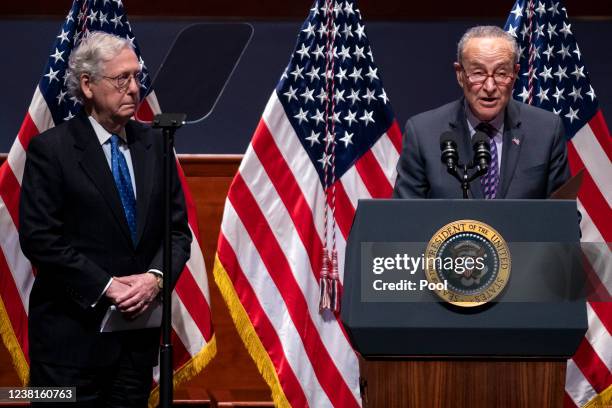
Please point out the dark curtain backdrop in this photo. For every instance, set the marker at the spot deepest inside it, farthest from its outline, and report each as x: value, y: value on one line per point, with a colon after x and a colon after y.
x: 414, y: 59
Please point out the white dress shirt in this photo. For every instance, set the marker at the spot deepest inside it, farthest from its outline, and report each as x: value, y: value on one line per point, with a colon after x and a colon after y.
x: 104, y: 139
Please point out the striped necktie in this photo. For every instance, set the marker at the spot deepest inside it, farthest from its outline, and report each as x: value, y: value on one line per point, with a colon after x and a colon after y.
x: 121, y: 174
x: 490, y: 180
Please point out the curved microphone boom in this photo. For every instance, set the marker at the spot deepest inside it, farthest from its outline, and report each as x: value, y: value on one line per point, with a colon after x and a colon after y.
x: 448, y: 146
x: 482, y: 151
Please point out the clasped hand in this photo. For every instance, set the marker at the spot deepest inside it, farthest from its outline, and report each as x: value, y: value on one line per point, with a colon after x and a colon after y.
x: 133, y: 294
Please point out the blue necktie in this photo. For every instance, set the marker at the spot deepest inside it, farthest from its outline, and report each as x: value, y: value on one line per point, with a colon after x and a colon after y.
x: 121, y: 174
x: 490, y: 180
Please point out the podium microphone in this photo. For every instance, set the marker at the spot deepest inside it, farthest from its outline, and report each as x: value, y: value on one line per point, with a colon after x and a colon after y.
x: 448, y: 146
x: 482, y: 151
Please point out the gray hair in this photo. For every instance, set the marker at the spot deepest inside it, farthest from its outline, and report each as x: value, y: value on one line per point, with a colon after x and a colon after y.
x: 486, y: 32
x: 89, y: 58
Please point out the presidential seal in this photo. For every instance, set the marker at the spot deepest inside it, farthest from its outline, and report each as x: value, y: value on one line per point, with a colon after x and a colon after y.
x: 472, y: 259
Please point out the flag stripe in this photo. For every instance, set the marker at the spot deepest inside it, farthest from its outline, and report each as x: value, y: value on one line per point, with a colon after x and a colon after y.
x: 186, y: 327
x: 568, y: 402
x: 577, y: 386
x: 589, y: 230
x: 40, y: 115
x: 593, y: 369
x: 598, y: 255
x: 282, y: 177
x: 26, y: 133
x: 387, y: 157
x: 599, y: 338
x: 595, y: 160
x: 344, y: 209
x: 601, y: 132
x: 197, y: 268
x: 144, y: 111
x: 603, y: 310
x: 9, y: 193
x: 590, y: 196
x: 395, y: 135
x: 292, y: 353
x: 373, y: 176
x: 297, y: 253
x: 293, y: 154
x: 194, y: 300
x: 261, y: 323
x: 289, y: 192
x: 16, y: 159
x: 596, y: 288
x: 300, y: 164
x: 354, y: 187
x: 278, y: 267
x: 18, y: 266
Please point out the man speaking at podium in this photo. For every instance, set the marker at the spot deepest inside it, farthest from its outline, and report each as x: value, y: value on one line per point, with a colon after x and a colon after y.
x: 527, y: 144
x: 91, y: 223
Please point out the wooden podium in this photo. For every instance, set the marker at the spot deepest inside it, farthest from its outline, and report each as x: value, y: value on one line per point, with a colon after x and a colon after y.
x: 422, y: 352
x: 462, y: 383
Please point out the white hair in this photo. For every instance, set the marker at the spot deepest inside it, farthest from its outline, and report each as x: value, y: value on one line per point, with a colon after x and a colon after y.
x: 486, y: 32
x: 89, y: 57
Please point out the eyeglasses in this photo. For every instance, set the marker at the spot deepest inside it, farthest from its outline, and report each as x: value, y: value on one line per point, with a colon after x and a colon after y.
x: 122, y: 81
x: 479, y: 78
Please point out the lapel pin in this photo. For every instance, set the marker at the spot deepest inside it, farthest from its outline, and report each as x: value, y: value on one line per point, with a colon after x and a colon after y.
x: 516, y: 141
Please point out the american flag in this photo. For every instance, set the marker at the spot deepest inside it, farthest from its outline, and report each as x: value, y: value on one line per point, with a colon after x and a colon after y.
x: 194, y: 341
x: 554, y: 77
x: 327, y: 138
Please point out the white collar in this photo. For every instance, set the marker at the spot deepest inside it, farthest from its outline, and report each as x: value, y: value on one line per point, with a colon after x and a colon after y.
x: 103, y: 134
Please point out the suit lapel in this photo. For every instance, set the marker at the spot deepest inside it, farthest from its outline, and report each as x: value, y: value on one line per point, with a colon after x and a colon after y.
x: 94, y: 164
x: 512, y: 142
x: 143, y: 173
x: 459, y: 125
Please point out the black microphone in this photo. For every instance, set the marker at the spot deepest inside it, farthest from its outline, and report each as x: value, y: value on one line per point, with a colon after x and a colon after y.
x: 482, y: 150
x: 448, y: 146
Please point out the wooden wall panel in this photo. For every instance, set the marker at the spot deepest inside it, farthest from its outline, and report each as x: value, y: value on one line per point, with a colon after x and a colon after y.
x: 297, y: 9
x: 232, y: 370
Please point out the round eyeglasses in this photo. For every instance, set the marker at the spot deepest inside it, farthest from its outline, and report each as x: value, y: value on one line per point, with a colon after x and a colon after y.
x: 122, y: 81
x: 479, y: 78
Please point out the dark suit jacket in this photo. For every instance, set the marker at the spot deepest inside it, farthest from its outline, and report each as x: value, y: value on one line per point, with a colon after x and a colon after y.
x: 73, y: 229
x: 534, y: 156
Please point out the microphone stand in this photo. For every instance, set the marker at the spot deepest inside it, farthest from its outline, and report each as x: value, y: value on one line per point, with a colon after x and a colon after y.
x: 464, y: 178
x: 168, y: 123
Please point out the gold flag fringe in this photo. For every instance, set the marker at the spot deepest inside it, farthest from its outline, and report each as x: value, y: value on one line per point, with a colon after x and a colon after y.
x: 12, y: 344
x: 248, y: 335
x: 603, y: 400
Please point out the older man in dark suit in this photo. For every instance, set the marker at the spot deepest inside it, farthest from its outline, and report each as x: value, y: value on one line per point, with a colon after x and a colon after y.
x: 91, y: 224
x: 527, y: 143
